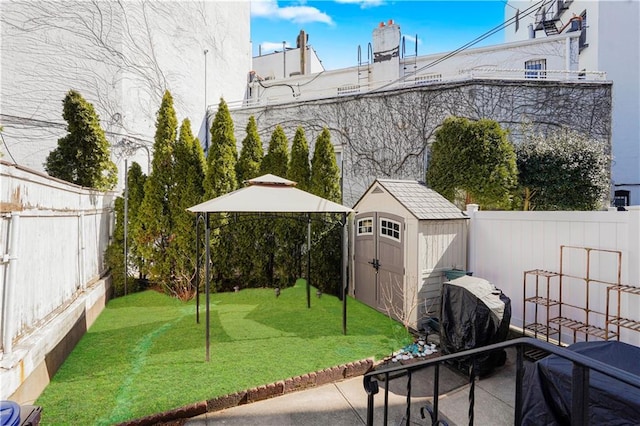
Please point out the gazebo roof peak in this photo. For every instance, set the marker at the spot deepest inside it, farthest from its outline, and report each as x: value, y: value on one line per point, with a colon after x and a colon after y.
x: 270, y: 179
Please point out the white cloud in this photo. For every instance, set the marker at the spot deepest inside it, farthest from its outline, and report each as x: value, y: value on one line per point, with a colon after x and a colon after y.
x: 269, y: 46
x: 297, y: 14
x: 411, y: 39
x: 363, y: 3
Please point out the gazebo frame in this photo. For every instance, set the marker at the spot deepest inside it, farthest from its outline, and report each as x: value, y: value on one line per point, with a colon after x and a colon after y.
x: 268, y: 194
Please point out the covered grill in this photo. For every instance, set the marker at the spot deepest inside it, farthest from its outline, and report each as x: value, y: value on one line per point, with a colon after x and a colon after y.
x: 474, y: 313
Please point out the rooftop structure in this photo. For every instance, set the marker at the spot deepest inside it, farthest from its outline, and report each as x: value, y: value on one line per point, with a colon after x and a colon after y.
x: 387, y: 65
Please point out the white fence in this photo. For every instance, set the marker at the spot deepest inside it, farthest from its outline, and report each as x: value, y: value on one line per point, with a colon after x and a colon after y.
x: 503, y: 245
x: 54, y: 235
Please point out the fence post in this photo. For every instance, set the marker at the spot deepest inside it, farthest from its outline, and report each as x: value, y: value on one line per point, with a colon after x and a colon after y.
x: 81, y: 253
x: 633, y: 221
x: 9, y: 286
x: 472, y: 209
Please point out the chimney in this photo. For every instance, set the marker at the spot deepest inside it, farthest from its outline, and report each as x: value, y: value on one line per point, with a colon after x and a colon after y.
x: 386, y: 42
x: 386, y: 52
x: 301, y: 43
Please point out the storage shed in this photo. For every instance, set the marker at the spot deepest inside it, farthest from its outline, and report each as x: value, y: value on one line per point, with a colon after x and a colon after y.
x: 405, y: 236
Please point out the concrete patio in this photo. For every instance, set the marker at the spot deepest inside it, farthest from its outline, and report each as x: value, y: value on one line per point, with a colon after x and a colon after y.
x: 345, y: 402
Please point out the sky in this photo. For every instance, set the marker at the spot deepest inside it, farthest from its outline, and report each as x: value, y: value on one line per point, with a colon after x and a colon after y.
x: 336, y: 28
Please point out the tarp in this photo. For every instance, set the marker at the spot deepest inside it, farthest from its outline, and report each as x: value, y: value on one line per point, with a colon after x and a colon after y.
x: 474, y: 314
x: 269, y: 194
x: 547, y: 387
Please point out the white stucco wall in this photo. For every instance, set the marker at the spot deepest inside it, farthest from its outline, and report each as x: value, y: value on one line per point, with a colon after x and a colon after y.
x: 618, y: 47
x: 121, y: 56
x: 281, y: 64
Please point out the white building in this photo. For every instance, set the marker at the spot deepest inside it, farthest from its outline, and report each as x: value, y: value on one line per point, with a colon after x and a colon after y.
x: 288, y: 62
x: 121, y: 56
x: 610, y: 42
x: 383, y: 112
x: 386, y: 66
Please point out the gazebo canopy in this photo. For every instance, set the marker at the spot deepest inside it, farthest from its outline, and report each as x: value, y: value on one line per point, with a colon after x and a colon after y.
x: 269, y: 194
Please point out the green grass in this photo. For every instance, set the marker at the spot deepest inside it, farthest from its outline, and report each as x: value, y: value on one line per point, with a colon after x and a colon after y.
x: 146, y: 354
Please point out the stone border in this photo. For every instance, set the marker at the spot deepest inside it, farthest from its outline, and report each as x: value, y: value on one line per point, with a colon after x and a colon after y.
x: 260, y: 393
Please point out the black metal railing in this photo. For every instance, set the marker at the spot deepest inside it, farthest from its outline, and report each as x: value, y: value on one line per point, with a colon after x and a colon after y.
x: 582, y: 365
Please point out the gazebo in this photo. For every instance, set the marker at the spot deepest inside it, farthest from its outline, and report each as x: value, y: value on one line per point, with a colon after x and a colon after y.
x: 271, y: 194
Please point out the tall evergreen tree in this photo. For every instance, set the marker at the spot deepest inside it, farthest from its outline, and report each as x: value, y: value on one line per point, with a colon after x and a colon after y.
x: 299, y: 167
x: 114, y: 256
x: 188, y: 190
x: 276, y: 160
x: 220, y: 179
x: 326, y: 247
x: 135, y: 184
x: 82, y: 157
x: 296, y: 234
x: 325, y: 173
x: 248, y: 231
x: 115, y: 251
x: 155, y: 226
x: 248, y: 166
x: 222, y: 155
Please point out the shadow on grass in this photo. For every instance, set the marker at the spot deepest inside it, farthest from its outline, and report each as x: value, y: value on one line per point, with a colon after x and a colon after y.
x: 147, y: 353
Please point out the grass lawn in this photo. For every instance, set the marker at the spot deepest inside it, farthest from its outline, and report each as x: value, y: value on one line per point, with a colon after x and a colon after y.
x: 145, y: 353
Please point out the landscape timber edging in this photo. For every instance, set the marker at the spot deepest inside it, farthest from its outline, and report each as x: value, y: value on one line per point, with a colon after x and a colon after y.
x: 259, y: 393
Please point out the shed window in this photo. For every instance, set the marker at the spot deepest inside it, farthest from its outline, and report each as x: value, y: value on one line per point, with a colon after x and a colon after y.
x: 390, y: 229
x: 365, y: 226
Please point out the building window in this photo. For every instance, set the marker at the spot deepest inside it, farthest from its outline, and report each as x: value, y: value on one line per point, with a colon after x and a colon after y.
x: 390, y: 229
x: 535, y: 69
x: 348, y: 89
x: 621, y: 198
x: 426, y: 79
x: 365, y: 226
x: 582, y: 43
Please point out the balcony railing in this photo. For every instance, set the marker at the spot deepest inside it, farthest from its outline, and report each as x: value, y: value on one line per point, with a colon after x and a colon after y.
x: 582, y: 366
x: 552, y: 10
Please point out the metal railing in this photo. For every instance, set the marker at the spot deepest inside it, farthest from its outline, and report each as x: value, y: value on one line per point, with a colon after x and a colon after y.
x: 582, y: 365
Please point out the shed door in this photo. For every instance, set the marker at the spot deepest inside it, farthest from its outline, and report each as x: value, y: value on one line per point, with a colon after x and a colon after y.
x: 365, y: 254
x: 379, y: 261
x: 391, y: 264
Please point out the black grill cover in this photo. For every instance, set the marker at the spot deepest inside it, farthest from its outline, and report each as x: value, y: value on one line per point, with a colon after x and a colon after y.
x: 547, y: 387
x: 474, y: 314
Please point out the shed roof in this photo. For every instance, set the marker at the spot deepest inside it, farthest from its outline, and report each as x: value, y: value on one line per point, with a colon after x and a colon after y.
x: 421, y: 201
